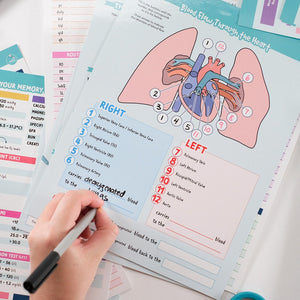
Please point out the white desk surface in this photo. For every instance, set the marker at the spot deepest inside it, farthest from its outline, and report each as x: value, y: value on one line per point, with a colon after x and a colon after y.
x: 275, y: 272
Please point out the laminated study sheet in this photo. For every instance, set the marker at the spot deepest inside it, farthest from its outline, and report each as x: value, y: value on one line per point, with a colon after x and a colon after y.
x: 102, y: 21
x: 290, y: 13
x: 180, y: 134
x: 22, y: 115
x: 67, y: 27
x: 11, y: 59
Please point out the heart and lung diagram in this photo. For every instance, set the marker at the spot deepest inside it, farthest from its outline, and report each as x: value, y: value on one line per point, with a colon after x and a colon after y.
x: 195, y: 95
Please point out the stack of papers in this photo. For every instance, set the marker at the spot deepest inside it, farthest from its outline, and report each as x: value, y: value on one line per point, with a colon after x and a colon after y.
x: 181, y: 133
x: 22, y: 122
x: 179, y: 119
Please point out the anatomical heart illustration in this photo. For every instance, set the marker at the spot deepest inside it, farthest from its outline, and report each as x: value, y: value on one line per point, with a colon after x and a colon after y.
x: 175, y: 85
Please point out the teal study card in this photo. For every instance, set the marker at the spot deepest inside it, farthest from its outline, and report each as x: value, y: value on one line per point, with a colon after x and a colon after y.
x: 290, y: 13
x: 22, y: 119
x: 266, y: 15
x: 12, y: 59
x: 180, y: 134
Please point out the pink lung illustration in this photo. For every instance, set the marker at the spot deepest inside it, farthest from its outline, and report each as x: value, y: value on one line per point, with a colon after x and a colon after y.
x: 256, y: 101
x: 167, y: 76
x: 148, y: 75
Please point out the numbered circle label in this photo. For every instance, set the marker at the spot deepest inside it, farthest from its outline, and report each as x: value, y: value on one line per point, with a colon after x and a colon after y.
x: 196, y: 134
x: 86, y: 122
x: 177, y: 151
x: 232, y: 118
x: 78, y: 141
x: 91, y: 112
x: 158, y: 106
x: 188, y: 126
x: 173, y: 161
x: 247, y: 111
x: 160, y: 189
x: 221, y: 46
x: 207, y: 43
x: 248, y: 77
x: 82, y: 131
x: 155, y: 93
x: 69, y: 160
x: 162, y: 118
x: 169, y: 170
x: 221, y: 125
x: 176, y: 121
x: 156, y: 199
x: 164, y: 180
x: 207, y: 129
x: 74, y: 150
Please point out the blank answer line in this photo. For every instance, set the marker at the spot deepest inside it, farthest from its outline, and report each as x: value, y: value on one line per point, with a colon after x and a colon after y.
x: 194, y: 241
x: 192, y: 230
x: 120, y: 207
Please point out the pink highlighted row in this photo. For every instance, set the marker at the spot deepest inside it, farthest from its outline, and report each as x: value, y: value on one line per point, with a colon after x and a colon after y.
x: 4, y: 295
x: 66, y: 54
x: 10, y: 213
x: 14, y: 256
x: 18, y: 158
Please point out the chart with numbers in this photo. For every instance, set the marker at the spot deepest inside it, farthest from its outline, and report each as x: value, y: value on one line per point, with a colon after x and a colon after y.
x: 180, y: 135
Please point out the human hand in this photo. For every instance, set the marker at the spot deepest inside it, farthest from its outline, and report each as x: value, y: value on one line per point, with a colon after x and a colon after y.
x: 78, y: 265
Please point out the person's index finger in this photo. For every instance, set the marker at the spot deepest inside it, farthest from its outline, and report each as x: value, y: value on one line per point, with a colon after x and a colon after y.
x: 69, y: 208
x: 104, y: 236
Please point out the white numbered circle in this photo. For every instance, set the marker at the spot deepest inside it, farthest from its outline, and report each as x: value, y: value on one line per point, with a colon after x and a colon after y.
x: 196, y: 134
x: 207, y: 43
x: 69, y: 160
x: 74, y: 150
x: 177, y: 151
x: 86, y: 122
x: 247, y: 111
x: 173, y: 160
x: 155, y: 93
x: 160, y: 189
x: 221, y: 125
x: 169, y: 170
x: 176, y: 121
x: 248, y: 77
x: 91, y: 112
x: 162, y: 118
x: 188, y: 126
x: 232, y: 117
x: 207, y: 129
x: 158, y: 106
x: 78, y: 141
x: 220, y: 46
x: 82, y: 131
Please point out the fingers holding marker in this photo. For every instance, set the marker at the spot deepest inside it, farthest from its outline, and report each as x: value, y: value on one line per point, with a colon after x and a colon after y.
x: 69, y: 208
x: 104, y: 235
